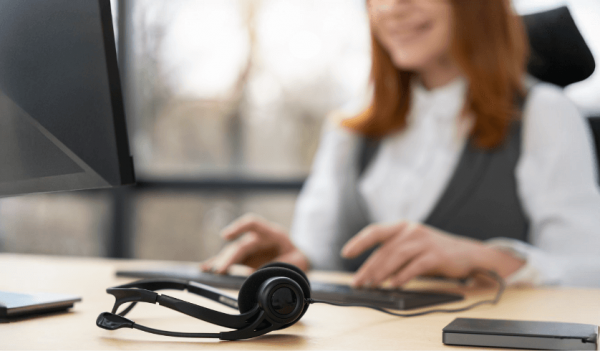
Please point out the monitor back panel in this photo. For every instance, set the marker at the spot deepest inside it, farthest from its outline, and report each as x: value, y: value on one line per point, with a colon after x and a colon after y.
x: 62, y: 121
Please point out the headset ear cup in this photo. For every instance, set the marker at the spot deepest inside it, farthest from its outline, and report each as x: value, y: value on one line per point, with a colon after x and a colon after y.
x: 248, y: 295
x: 288, y: 266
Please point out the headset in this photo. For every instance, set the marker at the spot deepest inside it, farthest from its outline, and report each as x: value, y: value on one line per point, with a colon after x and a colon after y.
x: 274, y: 297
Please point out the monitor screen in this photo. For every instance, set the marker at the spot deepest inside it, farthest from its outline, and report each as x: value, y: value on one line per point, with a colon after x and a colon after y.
x: 62, y: 121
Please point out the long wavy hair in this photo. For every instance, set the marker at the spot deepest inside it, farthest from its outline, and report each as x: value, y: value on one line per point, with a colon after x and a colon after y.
x: 490, y: 46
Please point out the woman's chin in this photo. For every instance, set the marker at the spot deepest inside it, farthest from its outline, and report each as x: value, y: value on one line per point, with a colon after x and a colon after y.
x: 408, y: 62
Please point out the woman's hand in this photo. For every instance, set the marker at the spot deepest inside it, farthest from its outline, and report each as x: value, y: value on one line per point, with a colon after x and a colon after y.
x: 411, y: 249
x: 259, y: 242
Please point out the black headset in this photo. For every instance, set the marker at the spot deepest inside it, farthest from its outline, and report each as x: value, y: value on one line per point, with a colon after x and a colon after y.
x: 274, y: 297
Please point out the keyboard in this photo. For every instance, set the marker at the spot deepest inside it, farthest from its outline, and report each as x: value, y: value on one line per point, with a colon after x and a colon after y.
x: 397, y: 299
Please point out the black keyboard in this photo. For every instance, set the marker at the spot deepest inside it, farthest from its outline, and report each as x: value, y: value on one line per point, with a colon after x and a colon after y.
x: 397, y: 299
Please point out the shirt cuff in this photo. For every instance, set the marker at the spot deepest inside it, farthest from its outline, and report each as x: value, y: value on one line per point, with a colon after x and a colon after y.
x: 528, y: 274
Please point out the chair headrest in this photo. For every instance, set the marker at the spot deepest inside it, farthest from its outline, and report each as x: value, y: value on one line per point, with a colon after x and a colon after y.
x: 559, y: 54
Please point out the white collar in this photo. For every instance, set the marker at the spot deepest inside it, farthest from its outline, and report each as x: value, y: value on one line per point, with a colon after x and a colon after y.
x: 441, y: 103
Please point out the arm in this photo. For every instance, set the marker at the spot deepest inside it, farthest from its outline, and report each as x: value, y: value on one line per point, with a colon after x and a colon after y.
x: 319, y: 207
x: 557, y: 185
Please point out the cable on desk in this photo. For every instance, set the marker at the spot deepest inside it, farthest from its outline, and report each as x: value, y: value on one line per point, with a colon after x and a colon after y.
x: 492, y: 274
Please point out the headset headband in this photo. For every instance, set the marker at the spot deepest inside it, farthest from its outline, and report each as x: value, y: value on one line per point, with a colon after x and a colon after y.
x: 143, y: 291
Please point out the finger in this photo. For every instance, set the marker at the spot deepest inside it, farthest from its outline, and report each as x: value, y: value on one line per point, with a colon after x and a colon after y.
x: 207, y: 265
x: 369, y: 237
x: 362, y: 278
x: 389, y: 257
x: 234, y: 229
x: 236, y: 252
x: 248, y: 223
x: 418, y: 266
x: 387, y: 260
x: 395, y: 260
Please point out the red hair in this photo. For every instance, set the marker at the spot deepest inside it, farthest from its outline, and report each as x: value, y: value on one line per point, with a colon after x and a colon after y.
x: 490, y: 47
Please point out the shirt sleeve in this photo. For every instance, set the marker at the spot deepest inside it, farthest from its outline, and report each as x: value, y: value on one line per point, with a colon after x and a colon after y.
x: 557, y: 183
x: 318, y: 208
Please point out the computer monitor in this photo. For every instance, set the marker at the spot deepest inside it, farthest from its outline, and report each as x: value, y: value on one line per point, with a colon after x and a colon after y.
x: 62, y: 121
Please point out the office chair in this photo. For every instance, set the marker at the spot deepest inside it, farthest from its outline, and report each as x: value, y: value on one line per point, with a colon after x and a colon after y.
x: 559, y: 55
x: 595, y: 125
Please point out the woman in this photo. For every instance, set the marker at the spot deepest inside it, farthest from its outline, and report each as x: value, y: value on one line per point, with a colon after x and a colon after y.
x: 476, y: 166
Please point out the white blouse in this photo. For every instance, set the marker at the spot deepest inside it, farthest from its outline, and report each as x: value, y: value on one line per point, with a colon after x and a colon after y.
x: 556, y: 182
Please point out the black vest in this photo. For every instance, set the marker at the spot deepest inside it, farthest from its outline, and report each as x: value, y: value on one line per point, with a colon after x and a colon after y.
x: 480, y: 201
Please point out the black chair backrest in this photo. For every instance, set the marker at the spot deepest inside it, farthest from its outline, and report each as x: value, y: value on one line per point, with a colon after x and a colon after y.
x: 595, y: 125
x: 559, y: 54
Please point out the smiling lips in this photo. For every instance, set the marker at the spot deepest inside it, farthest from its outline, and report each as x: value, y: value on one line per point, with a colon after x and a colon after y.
x: 407, y: 33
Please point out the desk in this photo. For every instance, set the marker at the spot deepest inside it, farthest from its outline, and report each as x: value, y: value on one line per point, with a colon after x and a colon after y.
x: 323, y: 326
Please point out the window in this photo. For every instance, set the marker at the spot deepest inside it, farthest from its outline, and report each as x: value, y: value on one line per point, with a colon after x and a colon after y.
x: 225, y: 102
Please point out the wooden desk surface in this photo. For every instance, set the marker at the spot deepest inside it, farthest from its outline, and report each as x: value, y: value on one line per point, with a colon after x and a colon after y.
x: 323, y: 327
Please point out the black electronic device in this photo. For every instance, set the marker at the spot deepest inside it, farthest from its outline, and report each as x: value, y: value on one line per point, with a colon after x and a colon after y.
x: 62, y: 120
x: 520, y: 334
x: 383, y: 298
